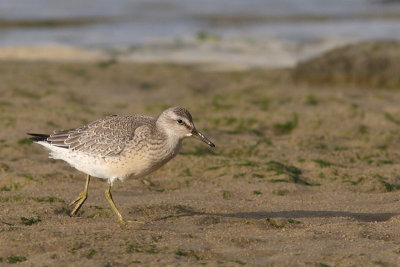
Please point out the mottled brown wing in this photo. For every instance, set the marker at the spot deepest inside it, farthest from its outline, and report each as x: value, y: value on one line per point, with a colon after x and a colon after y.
x: 104, y: 137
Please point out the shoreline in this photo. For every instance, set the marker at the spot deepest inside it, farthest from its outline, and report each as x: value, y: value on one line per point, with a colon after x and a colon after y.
x: 206, y: 50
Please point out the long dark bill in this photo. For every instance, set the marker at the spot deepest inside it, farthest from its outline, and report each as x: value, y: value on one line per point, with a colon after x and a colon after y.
x: 201, y: 137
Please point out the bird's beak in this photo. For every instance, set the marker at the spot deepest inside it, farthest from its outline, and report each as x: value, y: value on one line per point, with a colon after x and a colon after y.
x: 201, y: 137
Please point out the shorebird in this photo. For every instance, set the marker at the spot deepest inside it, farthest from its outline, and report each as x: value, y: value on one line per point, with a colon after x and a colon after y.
x: 119, y: 146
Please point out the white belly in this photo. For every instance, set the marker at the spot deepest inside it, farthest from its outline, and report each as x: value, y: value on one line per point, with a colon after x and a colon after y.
x: 111, y: 168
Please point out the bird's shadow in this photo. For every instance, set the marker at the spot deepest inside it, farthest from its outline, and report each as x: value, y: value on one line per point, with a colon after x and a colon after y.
x: 361, y: 217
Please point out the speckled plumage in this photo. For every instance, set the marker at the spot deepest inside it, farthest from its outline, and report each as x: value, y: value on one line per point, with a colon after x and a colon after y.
x: 119, y: 146
x: 104, y: 137
x: 113, y: 147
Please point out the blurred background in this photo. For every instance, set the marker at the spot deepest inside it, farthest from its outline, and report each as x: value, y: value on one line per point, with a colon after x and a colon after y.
x: 307, y: 131
x: 266, y: 33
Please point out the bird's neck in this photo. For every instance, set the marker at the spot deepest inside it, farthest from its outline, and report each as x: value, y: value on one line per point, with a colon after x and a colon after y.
x: 170, y: 139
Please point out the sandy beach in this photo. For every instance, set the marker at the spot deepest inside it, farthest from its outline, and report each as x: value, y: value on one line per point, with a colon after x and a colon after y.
x: 302, y: 174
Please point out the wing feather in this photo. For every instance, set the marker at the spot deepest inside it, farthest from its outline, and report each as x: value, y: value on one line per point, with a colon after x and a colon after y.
x: 104, y: 137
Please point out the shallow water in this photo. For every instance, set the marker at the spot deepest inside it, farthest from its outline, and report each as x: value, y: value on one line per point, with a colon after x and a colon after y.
x: 290, y: 30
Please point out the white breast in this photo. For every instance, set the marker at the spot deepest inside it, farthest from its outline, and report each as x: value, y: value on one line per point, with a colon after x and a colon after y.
x: 136, y: 160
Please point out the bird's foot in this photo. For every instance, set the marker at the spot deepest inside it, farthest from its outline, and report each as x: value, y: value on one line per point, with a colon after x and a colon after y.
x: 81, y: 196
x: 79, y: 202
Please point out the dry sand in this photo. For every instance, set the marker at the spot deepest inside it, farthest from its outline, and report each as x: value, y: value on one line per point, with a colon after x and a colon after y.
x: 301, y: 175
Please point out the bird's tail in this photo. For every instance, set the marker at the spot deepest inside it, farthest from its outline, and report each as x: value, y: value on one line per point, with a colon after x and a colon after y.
x: 38, y: 137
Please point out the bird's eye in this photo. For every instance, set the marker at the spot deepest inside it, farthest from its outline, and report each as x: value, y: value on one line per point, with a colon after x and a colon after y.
x: 180, y: 121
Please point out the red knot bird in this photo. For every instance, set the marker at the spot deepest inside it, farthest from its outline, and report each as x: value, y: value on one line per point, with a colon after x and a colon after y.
x: 119, y: 146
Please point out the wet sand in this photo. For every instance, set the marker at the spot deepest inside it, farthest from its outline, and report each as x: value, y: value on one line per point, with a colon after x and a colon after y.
x: 301, y: 176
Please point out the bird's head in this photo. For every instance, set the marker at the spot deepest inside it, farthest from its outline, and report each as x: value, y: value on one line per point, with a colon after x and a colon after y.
x: 178, y: 122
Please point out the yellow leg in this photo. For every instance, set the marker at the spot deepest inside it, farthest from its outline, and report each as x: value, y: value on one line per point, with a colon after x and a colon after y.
x: 110, y: 200
x: 81, y: 198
